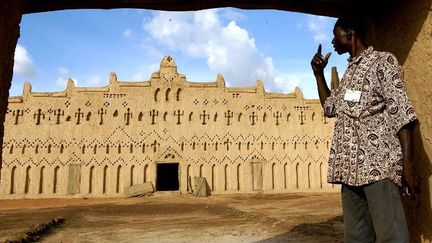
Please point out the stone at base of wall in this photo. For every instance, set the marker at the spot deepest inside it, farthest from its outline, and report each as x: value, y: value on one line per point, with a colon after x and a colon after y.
x: 336, y: 189
x: 138, y: 190
x: 202, y: 189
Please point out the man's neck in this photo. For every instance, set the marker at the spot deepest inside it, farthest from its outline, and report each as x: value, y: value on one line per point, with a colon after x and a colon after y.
x: 357, y: 48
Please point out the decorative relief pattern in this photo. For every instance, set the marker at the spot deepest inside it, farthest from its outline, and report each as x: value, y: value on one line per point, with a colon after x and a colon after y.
x: 120, y: 138
x: 163, y: 119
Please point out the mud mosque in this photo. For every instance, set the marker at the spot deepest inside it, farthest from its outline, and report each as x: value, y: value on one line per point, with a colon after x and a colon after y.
x: 93, y: 142
x: 66, y: 164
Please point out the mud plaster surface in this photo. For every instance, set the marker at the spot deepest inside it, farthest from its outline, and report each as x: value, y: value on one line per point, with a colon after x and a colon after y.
x: 182, y: 218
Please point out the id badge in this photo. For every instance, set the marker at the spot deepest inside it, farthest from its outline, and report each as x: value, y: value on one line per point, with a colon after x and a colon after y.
x: 352, y: 95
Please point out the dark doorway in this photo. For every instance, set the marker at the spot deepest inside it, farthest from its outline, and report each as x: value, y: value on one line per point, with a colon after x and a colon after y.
x: 167, y: 177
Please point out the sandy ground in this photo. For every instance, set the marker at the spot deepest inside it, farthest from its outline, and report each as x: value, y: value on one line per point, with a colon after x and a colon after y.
x: 170, y: 217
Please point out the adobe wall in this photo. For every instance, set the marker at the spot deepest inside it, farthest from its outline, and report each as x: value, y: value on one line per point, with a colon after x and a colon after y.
x: 405, y: 29
x: 93, y: 142
x: 402, y: 27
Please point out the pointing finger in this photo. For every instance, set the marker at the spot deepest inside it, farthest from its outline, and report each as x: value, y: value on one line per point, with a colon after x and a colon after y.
x: 319, y: 49
x: 326, y: 58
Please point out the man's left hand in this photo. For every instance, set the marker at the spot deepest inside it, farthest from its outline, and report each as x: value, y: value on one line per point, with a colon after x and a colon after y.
x: 410, y: 180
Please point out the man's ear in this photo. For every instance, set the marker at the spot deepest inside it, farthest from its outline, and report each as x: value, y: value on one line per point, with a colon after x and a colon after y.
x: 350, y: 33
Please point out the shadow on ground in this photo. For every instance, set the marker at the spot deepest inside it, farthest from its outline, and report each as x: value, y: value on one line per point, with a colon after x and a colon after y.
x: 328, y: 231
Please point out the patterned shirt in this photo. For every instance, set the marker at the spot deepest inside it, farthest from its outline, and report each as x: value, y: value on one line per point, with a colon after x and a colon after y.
x: 365, y: 146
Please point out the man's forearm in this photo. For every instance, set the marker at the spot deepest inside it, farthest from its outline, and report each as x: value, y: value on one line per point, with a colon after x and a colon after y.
x: 405, y: 136
x: 323, y: 90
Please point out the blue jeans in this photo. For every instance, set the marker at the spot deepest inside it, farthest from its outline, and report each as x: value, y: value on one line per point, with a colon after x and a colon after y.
x: 374, y: 213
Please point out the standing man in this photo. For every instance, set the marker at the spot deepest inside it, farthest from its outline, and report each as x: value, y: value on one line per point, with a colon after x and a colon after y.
x: 371, y: 152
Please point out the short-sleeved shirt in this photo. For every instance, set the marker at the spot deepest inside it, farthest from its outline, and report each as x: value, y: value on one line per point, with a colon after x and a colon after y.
x: 365, y: 146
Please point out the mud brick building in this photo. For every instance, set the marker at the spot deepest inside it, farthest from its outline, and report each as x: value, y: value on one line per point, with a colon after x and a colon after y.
x: 401, y: 27
x: 93, y: 142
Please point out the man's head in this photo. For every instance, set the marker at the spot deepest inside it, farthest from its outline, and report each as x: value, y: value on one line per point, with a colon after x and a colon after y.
x: 346, y: 31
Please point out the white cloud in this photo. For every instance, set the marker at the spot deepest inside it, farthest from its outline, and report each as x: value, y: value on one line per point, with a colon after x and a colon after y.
x: 145, y: 72
x: 95, y: 81
x: 88, y: 81
x: 63, y: 76
x: 231, y: 14
x: 61, y: 82
x: 62, y: 71
x: 150, y: 50
x: 321, y: 28
x: 228, y: 49
x: 286, y: 83
x: 127, y: 33
x: 16, y: 90
x: 23, y: 63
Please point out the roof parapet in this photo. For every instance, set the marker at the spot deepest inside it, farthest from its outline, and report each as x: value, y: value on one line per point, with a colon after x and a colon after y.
x: 220, y: 81
x: 112, y: 79
x: 260, y: 88
x: 70, y: 88
x: 27, y: 88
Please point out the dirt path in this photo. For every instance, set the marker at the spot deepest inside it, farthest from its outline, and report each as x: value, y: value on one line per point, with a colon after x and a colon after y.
x: 181, y: 218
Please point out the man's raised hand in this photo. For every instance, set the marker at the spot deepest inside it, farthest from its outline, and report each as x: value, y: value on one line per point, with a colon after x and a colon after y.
x: 319, y: 62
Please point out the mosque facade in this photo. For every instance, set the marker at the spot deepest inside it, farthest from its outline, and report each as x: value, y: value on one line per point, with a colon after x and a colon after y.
x: 94, y: 142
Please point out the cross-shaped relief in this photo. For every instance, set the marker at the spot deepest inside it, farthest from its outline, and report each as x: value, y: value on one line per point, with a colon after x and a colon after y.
x: 17, y: 114
x: 127, y: 116
x: 79, y: 115
x: 178, y: 113
x: 38, y: 116
x: 153, y: 113
x: 58, y: 113
x: 253, y: 117
x: 204, y: 116
x: 277, y: 115
x: 228, y: 115
x: 101, y: 112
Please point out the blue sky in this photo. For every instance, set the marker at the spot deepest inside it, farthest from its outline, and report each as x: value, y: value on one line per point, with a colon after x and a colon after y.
x: 242, y: 45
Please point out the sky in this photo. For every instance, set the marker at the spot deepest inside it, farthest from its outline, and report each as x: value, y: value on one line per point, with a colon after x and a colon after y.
x: 243, y: 45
